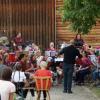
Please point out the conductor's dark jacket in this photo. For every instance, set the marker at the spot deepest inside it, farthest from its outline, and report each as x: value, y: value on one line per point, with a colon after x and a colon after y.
x: 70, y: 54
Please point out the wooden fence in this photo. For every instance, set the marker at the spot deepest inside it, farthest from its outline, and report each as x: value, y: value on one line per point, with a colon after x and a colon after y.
x: 63, y: 33
x: 35, y: 19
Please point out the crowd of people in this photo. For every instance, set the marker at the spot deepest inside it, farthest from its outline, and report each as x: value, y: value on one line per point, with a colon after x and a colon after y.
x: 19, y: 63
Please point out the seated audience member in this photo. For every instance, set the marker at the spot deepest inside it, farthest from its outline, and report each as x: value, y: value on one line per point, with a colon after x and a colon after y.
x: 83, y: 69
x: 23, y: 59
x: 96, y: 72
x: 19, y: 79
x: 51, y: 47
x: 85, y: 47
x: 78, y: 41
x: 1, y: 63
x: 39, y: 58
x: 43, y: 72
x: 18, y: 39
x: 6, y: 60
x: 7, y: 88
x: 33, y: 46
x: 33, y: 64
x: 51, y: 55
x: 59, y: 75
x: 88, y: 49
x: 93, y: 58
x: 36, y: 49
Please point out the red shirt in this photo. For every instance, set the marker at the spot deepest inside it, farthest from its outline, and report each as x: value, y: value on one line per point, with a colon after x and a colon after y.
x: 23, y: 65
x: 79, y: 61
x: 18, y: 40
x: 86, y: 62
x: 43, y: 73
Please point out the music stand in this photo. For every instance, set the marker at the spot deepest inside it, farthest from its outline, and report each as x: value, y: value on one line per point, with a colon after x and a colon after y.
x: 52, y: 53
x: 47, y: 53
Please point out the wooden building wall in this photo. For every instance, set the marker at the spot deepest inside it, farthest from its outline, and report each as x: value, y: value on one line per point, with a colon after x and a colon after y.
x: 64, y: 34
x: 35, y: 19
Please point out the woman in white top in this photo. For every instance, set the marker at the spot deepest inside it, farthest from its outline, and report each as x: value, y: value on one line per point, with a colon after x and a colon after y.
x: 7, y: 88
x: 39, y: 58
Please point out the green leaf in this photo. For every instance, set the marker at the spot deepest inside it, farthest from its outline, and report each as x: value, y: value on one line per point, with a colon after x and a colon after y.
x: 82, y: 14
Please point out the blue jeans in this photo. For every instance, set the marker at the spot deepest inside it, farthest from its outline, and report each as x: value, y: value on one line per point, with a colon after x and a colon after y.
x: 68, y: 73
x: 95, y: 75
x: 80, y: 75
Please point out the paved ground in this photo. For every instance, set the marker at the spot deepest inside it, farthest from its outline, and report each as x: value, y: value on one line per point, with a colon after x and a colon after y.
x: 79, y: 93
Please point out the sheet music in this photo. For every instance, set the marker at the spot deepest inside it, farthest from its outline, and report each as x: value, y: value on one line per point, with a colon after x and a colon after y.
x: 47, y: 53
x: 52, y: 53
x: 59, y: 59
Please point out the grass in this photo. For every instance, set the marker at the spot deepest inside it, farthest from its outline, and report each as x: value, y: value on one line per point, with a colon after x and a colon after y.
x: 96, y: 91
x: 95, y: 88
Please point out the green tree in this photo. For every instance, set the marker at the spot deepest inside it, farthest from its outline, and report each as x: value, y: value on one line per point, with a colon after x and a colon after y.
x: 82, y: 14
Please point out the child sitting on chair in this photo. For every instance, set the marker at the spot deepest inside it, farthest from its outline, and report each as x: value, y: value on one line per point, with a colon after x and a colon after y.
x: 20, y: 80
x: 59, y: 74
x: 43, y: 72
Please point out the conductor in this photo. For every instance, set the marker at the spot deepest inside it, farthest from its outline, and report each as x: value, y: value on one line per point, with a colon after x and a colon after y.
x: 70, y: 53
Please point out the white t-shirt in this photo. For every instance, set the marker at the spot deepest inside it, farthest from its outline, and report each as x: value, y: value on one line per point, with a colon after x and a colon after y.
x: 93, y: 59
x: 18, y: 76
x: 6, y: 87
x: 39, y: 59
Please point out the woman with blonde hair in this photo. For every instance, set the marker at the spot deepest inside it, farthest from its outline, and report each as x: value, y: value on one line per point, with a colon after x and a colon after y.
x: 43, y: 72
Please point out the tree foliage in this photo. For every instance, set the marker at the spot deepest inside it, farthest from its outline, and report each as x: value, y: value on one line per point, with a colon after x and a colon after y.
x: 82, y: 14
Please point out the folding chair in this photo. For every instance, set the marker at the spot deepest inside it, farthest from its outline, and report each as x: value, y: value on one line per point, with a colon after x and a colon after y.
x: 42, y: 84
